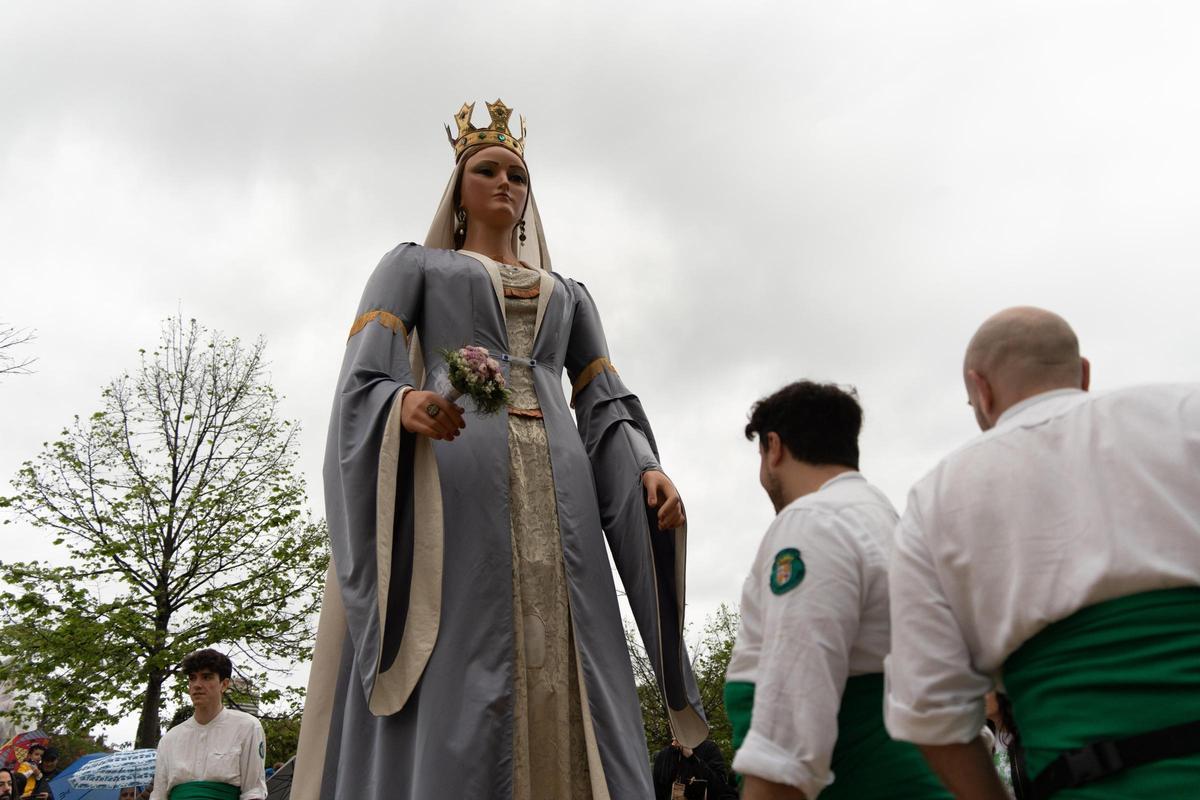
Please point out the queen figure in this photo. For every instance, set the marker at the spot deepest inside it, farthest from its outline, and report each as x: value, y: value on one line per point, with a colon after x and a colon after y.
x: 470, y: 644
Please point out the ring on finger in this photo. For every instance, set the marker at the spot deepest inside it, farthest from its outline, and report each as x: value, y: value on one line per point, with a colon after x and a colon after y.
x: 432, y: 409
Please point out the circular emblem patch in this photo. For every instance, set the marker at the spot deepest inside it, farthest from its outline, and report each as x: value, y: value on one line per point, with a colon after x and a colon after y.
x: 262, y: 749
x: 787, y: 571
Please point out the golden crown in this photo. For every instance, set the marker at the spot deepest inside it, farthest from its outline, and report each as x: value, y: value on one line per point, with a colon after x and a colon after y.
x: 496, y: 133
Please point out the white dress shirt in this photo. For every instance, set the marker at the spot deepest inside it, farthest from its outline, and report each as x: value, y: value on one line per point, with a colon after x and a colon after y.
x: 799, y: 646
x: 1071, y: 500
x: 230, y: 748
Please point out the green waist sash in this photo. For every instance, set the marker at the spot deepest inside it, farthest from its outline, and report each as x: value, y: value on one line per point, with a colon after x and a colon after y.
x: 205, y: 790
x: 1109, y: 671
x: 866, y: 762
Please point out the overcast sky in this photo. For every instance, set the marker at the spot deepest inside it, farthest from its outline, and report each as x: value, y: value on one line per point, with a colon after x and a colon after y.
x: 754, y: 192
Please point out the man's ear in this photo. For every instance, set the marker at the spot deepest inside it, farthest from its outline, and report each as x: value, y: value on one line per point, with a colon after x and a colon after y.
x: 225, y: 684
x: 774, y: 449
x: 1085, y: 374
x: 985, y: 401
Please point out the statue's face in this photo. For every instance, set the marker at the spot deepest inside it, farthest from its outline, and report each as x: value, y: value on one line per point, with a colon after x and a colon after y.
x: 495, y: 186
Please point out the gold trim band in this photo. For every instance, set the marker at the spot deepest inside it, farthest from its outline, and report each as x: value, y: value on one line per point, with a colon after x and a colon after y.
x: 384, y: 318
x: 589, y: 374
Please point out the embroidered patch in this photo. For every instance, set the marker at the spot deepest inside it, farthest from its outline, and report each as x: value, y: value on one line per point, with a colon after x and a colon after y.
x: 787, y: 571
x: 262, y: 749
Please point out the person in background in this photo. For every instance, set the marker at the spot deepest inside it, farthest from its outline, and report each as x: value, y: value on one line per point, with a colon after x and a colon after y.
x: 804, y: 687
x: 6, y: 783
x: 1067, y: 534
x: 217, y: 753
x: 50, y: 771
x: 30, y: 770
x: 128, y: 793
x: 703, y: 767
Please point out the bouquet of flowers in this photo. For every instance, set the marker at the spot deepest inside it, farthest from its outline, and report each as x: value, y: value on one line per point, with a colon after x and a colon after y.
x: 474, y: 373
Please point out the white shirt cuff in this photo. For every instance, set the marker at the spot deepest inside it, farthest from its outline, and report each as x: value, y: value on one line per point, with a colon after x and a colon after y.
x: 764, y: 759
x: 956, y: 724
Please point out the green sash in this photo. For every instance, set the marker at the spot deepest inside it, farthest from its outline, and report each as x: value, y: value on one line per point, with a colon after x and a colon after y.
x: 1112, y: 670
x: 205, y: 790
x: 866, y: 762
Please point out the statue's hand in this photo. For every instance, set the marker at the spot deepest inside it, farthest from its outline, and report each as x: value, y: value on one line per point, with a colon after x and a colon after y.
x: 662, y: 494
x: 445, y: 423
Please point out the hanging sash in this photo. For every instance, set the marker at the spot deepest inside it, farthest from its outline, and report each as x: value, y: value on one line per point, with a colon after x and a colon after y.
x: 205, y: 790
x: 1111, y: 671
x: 866, y: 762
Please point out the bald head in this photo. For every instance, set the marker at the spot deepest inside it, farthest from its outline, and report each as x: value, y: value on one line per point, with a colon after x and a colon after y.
x: 1018, y: 353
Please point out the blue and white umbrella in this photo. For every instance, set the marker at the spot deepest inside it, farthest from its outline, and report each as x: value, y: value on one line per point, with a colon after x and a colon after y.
x: 134, y: 768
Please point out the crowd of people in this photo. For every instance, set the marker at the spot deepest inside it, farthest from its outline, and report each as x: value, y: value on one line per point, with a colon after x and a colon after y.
x: 31, y: 776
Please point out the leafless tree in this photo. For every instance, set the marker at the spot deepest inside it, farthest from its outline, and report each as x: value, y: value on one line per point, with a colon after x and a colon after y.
x: 12, y: 363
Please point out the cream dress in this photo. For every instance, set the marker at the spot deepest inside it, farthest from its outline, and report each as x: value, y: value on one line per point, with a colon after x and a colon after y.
x: 549, y: 749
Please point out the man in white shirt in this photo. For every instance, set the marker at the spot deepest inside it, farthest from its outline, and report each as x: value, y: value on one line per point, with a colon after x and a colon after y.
x: 1058, y: 553
x: 804, y: 688
x: 218, y: 753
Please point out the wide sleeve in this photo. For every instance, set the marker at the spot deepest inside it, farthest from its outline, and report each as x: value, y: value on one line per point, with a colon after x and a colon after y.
x: 651, y: 563
x: 810, y: 621
x: 934, y: 694
x: 368, y: 460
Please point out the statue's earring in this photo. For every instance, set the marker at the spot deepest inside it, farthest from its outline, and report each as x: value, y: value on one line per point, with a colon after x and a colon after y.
x: 461, y: 216
x: 521, y: 225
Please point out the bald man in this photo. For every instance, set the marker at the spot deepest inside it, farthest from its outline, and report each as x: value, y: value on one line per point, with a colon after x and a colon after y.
x: 1057, y: 556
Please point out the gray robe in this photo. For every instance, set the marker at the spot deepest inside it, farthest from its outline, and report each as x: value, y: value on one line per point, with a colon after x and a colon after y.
x: 411, y: 690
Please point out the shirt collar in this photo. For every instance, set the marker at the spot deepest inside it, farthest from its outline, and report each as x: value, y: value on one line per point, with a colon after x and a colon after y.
x: 842, y: 476
x: 1015, y: 410
x: 211, y: 721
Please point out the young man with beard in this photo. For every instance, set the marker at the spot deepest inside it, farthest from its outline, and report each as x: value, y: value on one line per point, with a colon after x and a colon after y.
x: 804, y: 688
x: 218, y: 753
x: 6, y: 784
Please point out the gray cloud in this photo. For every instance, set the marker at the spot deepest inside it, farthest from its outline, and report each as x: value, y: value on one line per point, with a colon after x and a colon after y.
x: 753, y: 192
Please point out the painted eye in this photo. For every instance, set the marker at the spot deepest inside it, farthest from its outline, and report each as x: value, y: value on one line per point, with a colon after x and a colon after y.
x: 518, y: 177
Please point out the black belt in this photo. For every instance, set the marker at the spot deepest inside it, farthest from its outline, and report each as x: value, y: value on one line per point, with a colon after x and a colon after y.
x: 1101, y: 759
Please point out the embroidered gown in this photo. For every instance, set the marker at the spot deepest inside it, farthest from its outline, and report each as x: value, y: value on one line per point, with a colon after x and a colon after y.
x: 549, y: 751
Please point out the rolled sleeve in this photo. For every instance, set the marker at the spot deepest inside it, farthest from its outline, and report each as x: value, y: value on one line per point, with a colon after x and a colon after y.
x: 934, y: 694
x: 762, y: 758
x: 254, y: 773
x: 807, y: 635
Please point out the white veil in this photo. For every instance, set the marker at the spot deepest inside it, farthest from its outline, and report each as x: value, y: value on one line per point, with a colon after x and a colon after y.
x: 441, y: 232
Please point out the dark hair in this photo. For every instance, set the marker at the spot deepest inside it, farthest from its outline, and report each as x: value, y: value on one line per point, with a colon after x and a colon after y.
x: 817, y: 422
x: 51, y: 752
x: 207, y: 659
x: 41, y: 747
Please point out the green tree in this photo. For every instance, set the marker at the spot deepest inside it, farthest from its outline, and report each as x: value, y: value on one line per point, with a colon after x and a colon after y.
x: 710, y: 657
x: 283, y: 737
x: 71, y: 746
x: 182, y: 515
